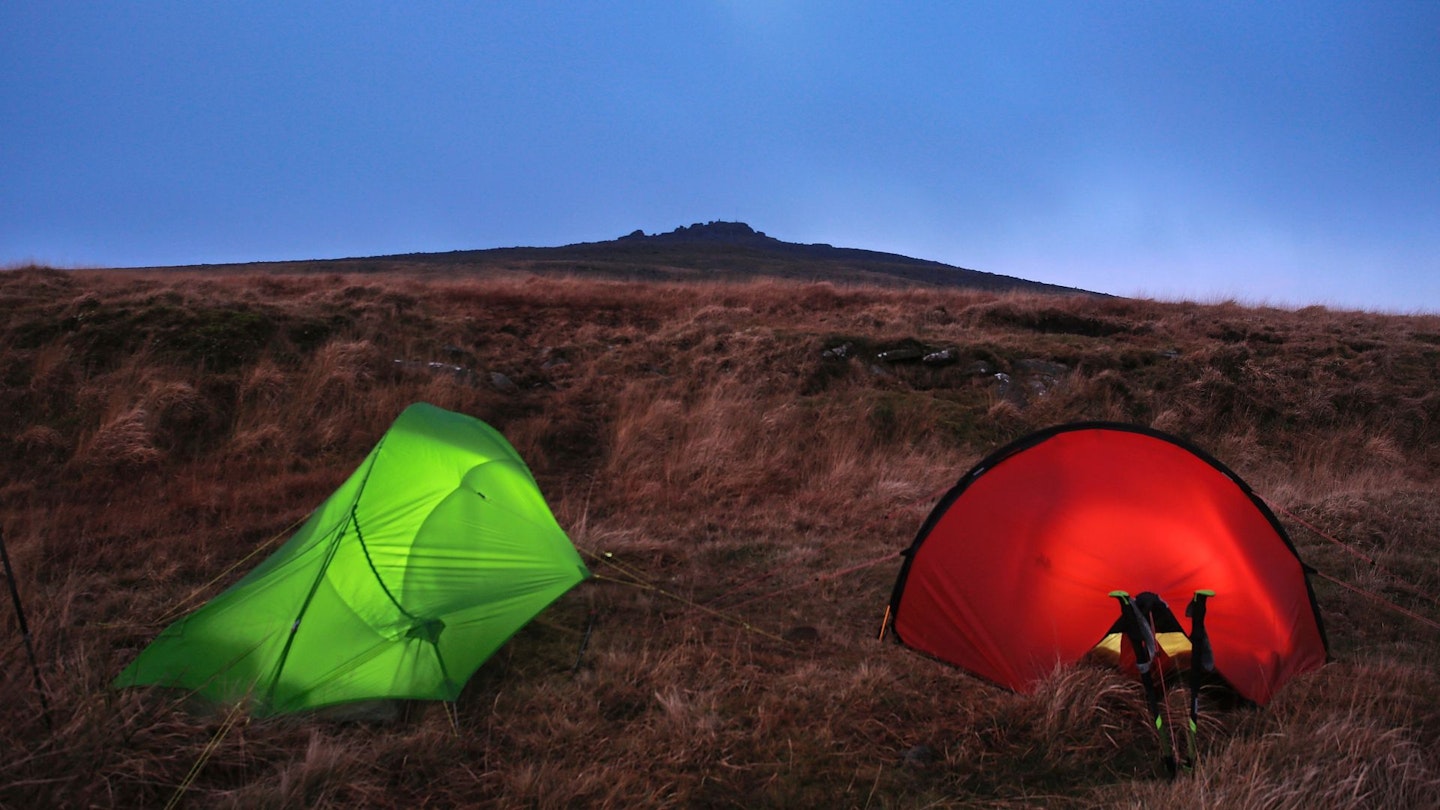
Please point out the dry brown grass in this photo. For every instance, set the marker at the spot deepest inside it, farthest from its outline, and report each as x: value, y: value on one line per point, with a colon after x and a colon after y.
x: 159, y: 428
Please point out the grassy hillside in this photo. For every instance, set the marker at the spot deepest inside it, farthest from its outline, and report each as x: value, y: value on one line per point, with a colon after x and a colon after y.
x: 715, y: 251
x: 162, y: 430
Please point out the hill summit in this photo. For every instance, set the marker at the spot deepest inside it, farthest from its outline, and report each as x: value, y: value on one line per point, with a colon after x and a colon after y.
x: 714, y: 231
x: 715, y: 250
x: 739, y: 250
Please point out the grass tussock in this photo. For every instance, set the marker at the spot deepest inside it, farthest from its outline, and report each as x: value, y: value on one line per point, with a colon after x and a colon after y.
x: 752, y: 453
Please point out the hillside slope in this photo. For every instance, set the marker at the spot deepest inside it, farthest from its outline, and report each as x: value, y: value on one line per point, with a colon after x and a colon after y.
x: 715, y: 251
x: 740, y: 462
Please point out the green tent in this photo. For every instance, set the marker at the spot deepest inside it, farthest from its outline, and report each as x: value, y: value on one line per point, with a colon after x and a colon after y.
x: 400, y: 585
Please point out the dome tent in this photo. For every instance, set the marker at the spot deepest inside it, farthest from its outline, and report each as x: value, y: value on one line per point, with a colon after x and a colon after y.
x: 399, y: 586
x: 1018, y: 567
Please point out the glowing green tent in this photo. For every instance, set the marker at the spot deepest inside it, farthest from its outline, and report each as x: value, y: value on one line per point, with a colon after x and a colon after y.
x: 400, y: 585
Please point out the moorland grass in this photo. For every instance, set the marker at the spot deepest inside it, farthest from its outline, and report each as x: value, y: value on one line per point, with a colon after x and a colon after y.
x: 160, y: 429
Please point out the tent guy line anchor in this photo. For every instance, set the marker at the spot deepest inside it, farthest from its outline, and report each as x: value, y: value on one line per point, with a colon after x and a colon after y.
x: 178, y: 608
x: 636, y: 581
x: 209, y: 750
x: 1378, y: 598
x: 1374, y: 563
x: 860, y: 532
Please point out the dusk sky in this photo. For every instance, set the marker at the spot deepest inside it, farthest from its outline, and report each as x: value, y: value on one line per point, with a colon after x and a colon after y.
x: 1283, y: 153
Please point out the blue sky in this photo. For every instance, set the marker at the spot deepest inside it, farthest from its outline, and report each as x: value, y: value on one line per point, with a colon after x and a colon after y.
x: 1279, y: 152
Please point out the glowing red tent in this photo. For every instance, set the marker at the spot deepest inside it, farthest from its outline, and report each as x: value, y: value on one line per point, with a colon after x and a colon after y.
x: 1013, y: 571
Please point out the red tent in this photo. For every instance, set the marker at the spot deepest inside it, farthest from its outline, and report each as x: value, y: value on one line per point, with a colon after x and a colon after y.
x: 1012, y: 571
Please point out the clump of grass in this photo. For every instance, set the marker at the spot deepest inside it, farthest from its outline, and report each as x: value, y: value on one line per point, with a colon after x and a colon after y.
x: 1344, y: 761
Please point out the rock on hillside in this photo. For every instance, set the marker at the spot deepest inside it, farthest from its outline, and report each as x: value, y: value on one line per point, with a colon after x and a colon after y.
x: 722, y: 232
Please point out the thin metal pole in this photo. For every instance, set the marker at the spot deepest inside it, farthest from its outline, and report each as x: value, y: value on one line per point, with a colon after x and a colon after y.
x: 584, y: 642
x: 25, y: 632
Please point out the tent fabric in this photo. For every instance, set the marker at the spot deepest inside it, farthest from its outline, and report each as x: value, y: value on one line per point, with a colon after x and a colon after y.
x: 399, y: 586
x: 1010, y: 574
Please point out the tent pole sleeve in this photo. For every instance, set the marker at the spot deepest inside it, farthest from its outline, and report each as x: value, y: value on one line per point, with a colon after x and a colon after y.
x: 320, y: 575
x: 304, y: 606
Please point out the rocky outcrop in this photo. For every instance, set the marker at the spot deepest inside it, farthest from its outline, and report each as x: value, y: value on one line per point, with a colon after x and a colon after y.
x: 1021, y: 382
x: 714, y: 232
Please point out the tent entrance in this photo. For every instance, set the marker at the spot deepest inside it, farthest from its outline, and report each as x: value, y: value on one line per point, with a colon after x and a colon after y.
x: 1174, y: 652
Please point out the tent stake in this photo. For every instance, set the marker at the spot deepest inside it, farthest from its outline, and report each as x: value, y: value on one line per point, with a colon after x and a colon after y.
x: 584, y: 642
x: 25, y: 633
